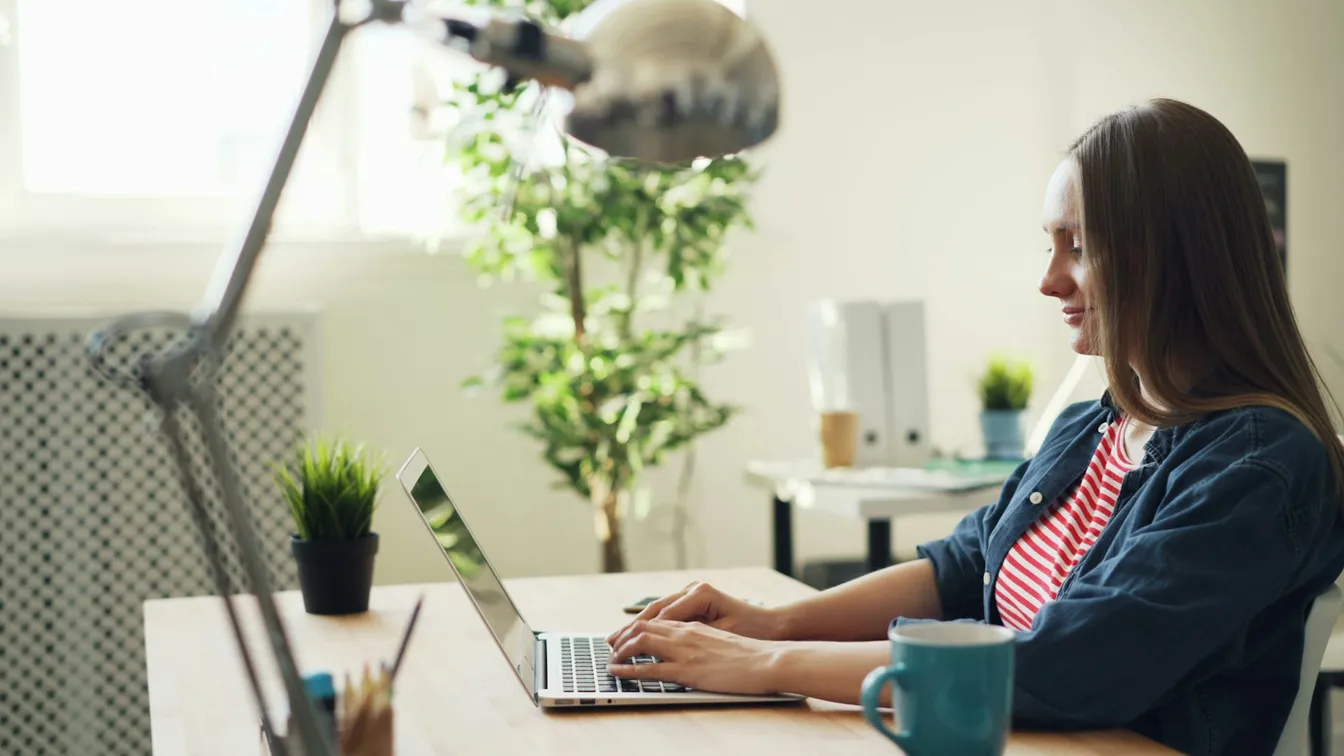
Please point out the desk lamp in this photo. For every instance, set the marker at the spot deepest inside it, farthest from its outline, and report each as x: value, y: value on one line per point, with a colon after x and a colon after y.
x: 661, y: 81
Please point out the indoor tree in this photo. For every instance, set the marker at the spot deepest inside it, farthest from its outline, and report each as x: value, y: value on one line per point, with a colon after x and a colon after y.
x: 624, y: 254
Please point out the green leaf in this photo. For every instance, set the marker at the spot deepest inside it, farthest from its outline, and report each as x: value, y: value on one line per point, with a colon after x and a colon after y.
x: 619, y: 398
x: 1005, y: 385
x: 329, y: 488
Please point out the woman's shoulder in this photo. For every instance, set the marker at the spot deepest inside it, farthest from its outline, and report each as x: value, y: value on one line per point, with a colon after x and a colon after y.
x: 1264, y: 466
x: 1258, y: 432
x: 1258, y: 435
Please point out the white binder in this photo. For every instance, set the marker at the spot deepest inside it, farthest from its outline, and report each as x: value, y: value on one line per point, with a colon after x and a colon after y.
x: 870, y: 357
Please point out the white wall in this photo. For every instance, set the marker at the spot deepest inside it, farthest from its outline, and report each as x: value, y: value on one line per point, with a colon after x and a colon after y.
x: 1274, y: 73
x: 917, y: 141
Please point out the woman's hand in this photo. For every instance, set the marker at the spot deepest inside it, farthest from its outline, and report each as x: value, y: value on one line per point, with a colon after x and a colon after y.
x: 701, y: 602
x: 697, y: 656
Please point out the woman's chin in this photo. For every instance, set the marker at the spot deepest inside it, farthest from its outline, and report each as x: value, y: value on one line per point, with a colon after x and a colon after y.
x: 1082, y: 345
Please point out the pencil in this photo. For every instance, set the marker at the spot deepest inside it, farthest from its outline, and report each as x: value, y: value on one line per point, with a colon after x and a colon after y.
x: 406, y: 636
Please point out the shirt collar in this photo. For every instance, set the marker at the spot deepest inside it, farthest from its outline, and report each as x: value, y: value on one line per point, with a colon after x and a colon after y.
x: 1164, y: 438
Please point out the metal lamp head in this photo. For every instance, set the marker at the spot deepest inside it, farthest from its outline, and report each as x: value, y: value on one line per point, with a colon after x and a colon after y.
x: 672, y: 80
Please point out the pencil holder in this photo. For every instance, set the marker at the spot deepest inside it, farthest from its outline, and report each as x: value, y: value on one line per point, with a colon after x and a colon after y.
x: 360, y: 718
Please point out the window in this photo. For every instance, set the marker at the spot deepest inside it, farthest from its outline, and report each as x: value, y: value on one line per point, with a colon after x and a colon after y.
x: 404, y: 185
x: 162, y: 117
x: 155, y: 97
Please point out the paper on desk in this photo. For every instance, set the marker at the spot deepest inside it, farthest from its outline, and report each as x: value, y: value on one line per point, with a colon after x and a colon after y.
x: 905, y: 477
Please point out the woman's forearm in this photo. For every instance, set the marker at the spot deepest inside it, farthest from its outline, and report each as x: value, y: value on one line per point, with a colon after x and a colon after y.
x: 863, y: 608
x: 827, y: 670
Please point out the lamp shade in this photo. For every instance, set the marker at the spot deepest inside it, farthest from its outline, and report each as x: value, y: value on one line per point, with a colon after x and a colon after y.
x: 672, y: 80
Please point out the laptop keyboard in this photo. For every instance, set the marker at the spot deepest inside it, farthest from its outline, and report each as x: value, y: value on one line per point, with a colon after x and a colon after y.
x: 583, y: 664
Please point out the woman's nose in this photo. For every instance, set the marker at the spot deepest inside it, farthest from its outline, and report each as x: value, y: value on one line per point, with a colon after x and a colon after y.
x: 1057, y: 282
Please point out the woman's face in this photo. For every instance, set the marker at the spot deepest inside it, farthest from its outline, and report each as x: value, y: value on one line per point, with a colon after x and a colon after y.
x: 1065, y: 277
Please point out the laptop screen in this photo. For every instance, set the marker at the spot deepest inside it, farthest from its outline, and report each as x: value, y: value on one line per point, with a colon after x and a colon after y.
x: 445, y: 522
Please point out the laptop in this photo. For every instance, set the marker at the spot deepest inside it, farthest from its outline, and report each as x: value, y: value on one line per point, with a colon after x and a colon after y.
x: 556, y: 669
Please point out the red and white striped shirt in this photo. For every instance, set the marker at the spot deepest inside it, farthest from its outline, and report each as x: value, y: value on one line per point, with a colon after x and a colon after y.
x: 1037, y: 564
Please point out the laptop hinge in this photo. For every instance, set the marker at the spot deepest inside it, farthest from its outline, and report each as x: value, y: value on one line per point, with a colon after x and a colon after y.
x: 542, y: 666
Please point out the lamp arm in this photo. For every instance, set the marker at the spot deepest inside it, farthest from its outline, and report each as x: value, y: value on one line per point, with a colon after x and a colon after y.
x: 224, y: 294
x: 183, y: 378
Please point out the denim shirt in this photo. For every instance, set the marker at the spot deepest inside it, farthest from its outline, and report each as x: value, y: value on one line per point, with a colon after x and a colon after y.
x: 1185, y: 621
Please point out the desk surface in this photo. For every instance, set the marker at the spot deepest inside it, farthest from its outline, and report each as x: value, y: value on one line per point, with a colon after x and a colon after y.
x: 876, y: 493
x: 457, y: 695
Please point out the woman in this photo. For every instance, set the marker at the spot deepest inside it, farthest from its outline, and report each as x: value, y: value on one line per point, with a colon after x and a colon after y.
x: 1160, y: 552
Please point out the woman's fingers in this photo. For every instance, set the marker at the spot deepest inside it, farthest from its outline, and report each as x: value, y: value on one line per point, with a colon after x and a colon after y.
x: 696, y: 603
x: 695, y: 655
x: 651, y: 611
x: 655, y: 608
x: 647, y: 639
x: 659, y: 671
x: 625, y: 634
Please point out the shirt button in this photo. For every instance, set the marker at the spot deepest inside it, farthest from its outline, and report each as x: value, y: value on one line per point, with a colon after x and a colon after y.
x: 986, y: 578
x: 1102, y: 428
x: 1035, y: 497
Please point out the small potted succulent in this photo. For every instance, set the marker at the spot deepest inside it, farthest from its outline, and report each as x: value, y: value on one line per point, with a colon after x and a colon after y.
x: 331, y: 489
x: 1005, y: 388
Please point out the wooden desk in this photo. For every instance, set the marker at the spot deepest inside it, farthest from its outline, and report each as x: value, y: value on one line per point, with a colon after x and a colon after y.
x: 456, y: 694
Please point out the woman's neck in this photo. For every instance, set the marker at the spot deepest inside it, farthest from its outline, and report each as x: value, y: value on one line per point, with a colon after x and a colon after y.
x: 1138, y: 433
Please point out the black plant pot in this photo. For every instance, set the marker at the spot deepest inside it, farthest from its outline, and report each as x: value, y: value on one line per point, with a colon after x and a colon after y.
x: 335, y: 576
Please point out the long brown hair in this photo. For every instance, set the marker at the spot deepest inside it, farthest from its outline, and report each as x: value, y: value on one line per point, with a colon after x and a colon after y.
x: 1189, y: 288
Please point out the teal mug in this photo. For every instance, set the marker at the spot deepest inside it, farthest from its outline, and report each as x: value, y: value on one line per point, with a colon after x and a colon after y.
x: 952, y: 687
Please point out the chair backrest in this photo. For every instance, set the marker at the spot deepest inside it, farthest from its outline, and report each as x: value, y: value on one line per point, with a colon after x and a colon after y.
x: 1295, y: 739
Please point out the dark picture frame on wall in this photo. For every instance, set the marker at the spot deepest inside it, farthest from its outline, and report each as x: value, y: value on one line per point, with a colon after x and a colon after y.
x: 1273, y: 177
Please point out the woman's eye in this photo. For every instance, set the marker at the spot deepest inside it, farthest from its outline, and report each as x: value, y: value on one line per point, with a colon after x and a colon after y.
x: 1076, y: 251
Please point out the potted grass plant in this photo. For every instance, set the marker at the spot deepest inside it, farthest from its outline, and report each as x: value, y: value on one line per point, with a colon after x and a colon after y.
x: 1004, y: 387
x: 331, y: 489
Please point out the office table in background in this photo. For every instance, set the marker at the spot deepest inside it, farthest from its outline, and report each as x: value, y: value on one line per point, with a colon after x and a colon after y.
x: 876, y: 495
x: 456, y: 694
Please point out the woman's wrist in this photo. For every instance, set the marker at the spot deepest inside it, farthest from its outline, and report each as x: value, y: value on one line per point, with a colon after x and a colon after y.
x: 829, y: 670
x: 779, y: 623
x: 782, y: 661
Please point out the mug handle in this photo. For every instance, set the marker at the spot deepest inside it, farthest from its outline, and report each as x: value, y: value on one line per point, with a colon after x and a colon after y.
x: 870, y: 695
